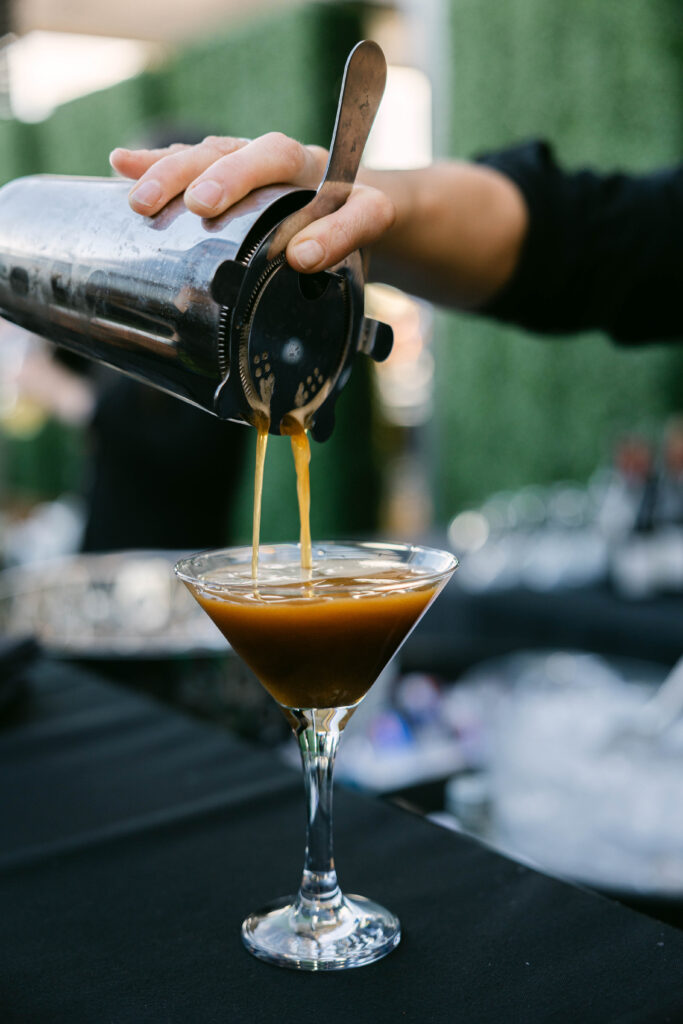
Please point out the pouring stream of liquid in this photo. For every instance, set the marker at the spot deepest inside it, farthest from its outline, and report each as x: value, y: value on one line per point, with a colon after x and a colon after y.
x: 301, y: 451
x: 261, y: 445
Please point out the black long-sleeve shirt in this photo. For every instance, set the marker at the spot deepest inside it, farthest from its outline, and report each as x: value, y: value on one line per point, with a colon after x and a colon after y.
x: 602, y: 251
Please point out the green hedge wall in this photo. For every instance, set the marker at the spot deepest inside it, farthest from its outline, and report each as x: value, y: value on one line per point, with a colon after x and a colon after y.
x: 602, y: 82
x: 281, y: 72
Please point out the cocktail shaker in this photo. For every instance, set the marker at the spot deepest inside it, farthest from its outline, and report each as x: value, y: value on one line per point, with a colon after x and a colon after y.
x: 207, y: 310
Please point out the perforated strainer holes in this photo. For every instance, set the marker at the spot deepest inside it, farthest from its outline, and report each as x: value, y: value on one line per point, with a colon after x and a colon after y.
x: 257, y: 360
x: 313, y: 382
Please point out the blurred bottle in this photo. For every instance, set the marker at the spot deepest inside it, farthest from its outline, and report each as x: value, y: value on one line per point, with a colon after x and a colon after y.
x: 628, y: 499
x: 668, y: 506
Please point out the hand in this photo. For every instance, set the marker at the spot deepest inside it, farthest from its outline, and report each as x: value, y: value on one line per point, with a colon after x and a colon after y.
x: 221, y: 170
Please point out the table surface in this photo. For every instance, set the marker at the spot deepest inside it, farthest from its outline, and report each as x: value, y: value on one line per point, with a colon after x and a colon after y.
x: 134, y: 841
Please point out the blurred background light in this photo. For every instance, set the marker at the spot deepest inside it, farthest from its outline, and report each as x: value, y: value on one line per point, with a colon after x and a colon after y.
x: 401, y: 136
x: 46, y: 69
x: 168, y: 20
x: 468, y: 531
x: 405, y: 381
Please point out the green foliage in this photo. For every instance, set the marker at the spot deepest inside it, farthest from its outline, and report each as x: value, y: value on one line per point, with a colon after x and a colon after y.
x: 602, y: 82
x: 44, y: 465
x: 281, y: 73
x: 19, y: 150
x: 79, y: 136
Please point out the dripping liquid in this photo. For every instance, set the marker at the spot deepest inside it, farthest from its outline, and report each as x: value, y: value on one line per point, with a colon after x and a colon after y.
x: 301, y: 450
x: 261, y: 445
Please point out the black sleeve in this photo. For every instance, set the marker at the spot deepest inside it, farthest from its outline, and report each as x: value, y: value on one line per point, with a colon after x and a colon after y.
x: 602, y: 251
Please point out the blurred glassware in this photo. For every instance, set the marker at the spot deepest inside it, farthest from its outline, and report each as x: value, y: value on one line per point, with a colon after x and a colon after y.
x: 398, y: 737
x: 644, y: 565
x: 123, y: 605
x: 542, y: 538
x: 562, y: 797
x: 626, y: 484
x: 49, y: 530
x: 652, y: 720
x: 467, y: 798
x: 624, y: 526
x: 646, y: 545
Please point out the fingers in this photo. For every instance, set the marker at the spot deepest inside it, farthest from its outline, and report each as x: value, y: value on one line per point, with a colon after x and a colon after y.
x: 364, y: 217
x: 168, y: 173
x: 220, y: 171
x: 217, y: 172
x: 268, y: 160
x: 132, y: 163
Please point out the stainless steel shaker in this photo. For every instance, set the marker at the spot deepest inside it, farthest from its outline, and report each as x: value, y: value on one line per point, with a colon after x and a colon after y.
x: 207, y: 310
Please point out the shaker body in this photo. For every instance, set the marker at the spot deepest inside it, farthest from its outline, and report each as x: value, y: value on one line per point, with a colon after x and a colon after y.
x: 80, y: 268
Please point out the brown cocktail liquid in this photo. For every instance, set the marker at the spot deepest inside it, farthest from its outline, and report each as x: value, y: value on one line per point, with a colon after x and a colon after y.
x: 301, y: 451
x: 316, y: 638
x: 261, y: 445
x: 320, y: 642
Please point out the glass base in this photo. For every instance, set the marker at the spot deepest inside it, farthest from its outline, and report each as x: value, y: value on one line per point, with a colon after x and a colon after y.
x: 357, y: 933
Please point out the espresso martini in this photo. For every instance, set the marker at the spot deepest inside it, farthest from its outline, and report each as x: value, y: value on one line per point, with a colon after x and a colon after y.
x: 317, y: 639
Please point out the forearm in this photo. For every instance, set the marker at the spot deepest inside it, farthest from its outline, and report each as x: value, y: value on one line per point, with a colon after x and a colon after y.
x: 451, y: 232
x: 515, y: 236
x: 457, y: 234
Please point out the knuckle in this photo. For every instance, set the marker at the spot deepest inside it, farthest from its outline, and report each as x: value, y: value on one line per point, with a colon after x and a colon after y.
x: 289, y: 153
x: 218, y: 145
x: 275, y: 138
x: 376, y: 208
x: 343, y: 239
x: 318, y: 157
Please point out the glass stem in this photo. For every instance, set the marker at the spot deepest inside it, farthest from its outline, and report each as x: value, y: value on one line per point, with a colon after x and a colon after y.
x: 318, y: 733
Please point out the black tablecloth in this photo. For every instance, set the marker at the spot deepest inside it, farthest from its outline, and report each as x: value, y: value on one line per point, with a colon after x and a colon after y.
x: 134, y: 841
x: 463, y: 628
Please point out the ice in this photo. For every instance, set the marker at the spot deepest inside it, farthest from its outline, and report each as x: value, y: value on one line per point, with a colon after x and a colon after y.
x: 566, y: 797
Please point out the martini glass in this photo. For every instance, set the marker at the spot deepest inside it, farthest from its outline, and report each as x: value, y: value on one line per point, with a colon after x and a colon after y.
x: 317, y: 640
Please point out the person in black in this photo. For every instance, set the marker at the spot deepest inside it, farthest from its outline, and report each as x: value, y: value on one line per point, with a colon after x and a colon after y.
x: 163, y: 474
x: 601, y: 250
x: 513, y: 235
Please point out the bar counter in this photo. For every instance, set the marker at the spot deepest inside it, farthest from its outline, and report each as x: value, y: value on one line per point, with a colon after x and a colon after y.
x: 134, y: 840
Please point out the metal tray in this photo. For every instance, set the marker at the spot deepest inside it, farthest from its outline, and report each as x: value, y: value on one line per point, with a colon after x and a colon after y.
x: 123, y: 605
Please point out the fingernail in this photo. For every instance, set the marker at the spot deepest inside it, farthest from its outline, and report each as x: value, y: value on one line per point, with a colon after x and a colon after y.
x: 147, y: 194
x: 307, y: 254
x: 114, y: 156
x: 207, y: 193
